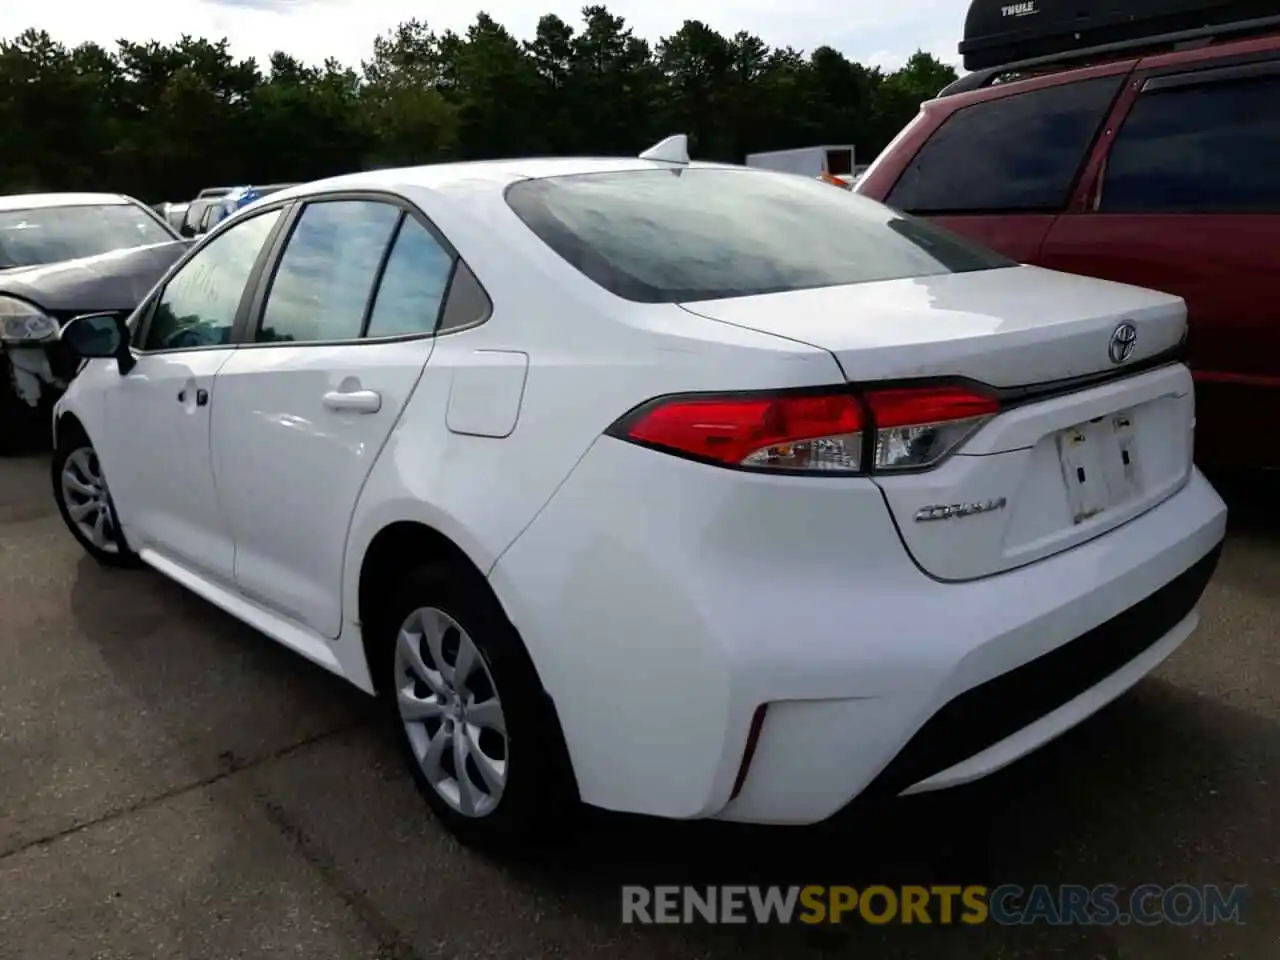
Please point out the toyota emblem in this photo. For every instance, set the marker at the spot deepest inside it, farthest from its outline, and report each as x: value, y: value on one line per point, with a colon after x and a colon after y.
x: 1123, y: 340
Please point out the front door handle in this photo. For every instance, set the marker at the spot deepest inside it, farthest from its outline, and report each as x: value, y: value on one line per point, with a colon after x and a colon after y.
x: 202, y: 397
x: 354, y: 401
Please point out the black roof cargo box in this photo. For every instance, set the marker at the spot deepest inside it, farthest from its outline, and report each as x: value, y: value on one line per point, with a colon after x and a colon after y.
x: 1002, y: 32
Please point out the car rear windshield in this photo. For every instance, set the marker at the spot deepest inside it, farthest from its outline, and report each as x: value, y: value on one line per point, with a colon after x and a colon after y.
x: 686, y: 234
x: 53, y: 234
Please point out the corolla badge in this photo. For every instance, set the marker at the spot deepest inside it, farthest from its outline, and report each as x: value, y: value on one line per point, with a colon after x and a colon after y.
x: 950, y: 511
x: 1123, y: 341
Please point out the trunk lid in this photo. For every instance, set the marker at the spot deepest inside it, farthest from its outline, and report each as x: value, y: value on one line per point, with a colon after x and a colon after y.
x: 1055, y: 467
x: 1008, y: 327
x: 1049, y: 475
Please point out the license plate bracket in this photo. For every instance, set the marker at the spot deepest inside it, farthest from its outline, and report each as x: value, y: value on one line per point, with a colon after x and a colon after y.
x: 1099, y: 464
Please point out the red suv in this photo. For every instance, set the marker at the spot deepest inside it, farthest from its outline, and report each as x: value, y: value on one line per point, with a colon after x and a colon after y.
x: 1133, y: 147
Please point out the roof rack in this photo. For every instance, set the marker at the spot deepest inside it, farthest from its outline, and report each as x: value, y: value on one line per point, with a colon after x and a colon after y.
x: 1003, y: 37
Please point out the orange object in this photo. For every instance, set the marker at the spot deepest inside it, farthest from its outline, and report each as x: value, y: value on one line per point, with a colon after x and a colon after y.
x: 829, y: 178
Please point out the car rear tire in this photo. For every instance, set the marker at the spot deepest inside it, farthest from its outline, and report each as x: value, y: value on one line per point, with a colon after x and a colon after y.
x: 85, y: 503
x: 464, y: 697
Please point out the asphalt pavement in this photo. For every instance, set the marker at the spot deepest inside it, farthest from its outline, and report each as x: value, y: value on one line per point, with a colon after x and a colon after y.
x: 174, y: 785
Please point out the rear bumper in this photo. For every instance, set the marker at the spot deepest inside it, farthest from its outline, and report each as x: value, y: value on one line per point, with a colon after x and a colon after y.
x: 662, y: 617
x: 1010, y: 693
x: 998, y: 721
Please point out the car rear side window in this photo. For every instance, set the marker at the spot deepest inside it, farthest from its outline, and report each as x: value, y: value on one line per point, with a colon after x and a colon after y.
x: 704, y: 233
x: 1208, y: 148
x: 1019, y: 153
x: 413, y: 284
x: 326, y: 273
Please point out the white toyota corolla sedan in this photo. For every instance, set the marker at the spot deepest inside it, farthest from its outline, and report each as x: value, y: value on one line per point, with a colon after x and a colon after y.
x: 674, y: 488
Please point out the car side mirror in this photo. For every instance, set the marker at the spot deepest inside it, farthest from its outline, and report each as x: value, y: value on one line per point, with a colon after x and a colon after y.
x: 100, y: 336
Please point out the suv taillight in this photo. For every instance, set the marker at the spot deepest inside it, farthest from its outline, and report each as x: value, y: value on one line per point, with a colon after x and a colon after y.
x: 842, y: 431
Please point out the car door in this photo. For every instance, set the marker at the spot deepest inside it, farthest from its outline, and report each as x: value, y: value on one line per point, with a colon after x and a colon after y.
x: 1000, y: 170
x: 157, y: 452
x: 343, y: 329
x: 1187, y: 200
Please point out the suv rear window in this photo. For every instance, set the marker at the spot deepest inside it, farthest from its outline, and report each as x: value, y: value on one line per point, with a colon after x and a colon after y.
x: 699, y: 233
x: 1019, y: 153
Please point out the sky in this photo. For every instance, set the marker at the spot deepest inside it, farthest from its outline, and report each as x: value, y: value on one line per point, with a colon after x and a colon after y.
x: 881, y: 34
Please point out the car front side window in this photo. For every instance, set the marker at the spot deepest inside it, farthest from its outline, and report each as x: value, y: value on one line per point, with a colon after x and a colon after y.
x: 198, y: 306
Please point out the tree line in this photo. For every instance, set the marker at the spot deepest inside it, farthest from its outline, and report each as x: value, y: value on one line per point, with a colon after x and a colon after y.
x: 160, y: 121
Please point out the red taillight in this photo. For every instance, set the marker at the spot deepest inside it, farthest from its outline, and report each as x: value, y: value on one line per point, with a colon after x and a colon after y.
x: 917, y: 427
x: 911, y: 428
x: 911, y: 406
x: 780, y: 431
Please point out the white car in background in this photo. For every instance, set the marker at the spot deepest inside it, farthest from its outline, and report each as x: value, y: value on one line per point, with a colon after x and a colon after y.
x: 674, y: 488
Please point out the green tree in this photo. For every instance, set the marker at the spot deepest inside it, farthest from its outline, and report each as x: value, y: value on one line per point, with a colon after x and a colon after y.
x: 405, y: 113
x: 57, y: 107
x: 696, y: 63
x: 613, y: 84
x: 552, y: 53
x: 497, y: 91
x: 307, y: 122
x: 161, y: 121
x: 900, y: 95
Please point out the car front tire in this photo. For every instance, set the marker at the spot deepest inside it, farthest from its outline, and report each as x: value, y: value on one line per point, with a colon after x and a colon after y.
x: 84, y: 500
x: 477, y: 730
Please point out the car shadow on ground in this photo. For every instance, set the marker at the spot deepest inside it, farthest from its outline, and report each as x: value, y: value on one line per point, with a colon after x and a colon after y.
x: 1131, y: 796
x: 1164, y: 786
x: 228, y: 694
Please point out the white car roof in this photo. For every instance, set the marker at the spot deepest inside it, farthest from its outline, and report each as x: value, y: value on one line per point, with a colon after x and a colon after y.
x: 32, y: 201
x: 471, y: 175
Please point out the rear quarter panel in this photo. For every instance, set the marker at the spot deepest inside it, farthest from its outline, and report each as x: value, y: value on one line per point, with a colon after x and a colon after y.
x: 591, y: 358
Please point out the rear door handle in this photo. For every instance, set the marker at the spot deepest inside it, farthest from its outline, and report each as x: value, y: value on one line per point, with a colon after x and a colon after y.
x: 355, y: 401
